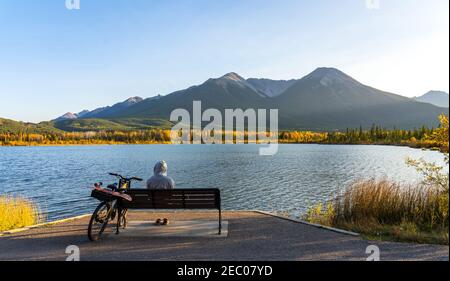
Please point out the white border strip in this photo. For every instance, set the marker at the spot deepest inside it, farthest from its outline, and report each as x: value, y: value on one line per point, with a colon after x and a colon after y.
x: 14, y: 231
x: 310, y: 224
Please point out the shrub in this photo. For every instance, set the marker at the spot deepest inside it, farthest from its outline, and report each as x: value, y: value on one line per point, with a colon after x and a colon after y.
x: 17, y: 212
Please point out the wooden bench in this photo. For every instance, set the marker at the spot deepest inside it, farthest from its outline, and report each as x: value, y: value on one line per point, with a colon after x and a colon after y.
x: 186, y: 199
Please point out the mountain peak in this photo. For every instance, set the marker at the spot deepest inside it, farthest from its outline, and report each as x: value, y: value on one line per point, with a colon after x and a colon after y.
x: 327, y: 71
x: 232, y: 76
x: 134, y: 100
x: 229, y: 78
x: 329, y: 75
x: 67, y: 116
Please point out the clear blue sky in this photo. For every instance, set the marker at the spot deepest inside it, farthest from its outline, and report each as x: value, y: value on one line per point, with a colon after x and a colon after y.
x: 54, y: 60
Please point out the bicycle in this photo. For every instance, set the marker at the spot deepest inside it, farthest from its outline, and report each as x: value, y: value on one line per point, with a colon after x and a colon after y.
x: 109, y: 208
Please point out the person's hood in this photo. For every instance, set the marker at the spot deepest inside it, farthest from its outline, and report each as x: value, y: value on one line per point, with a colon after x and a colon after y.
x: 160, y: 168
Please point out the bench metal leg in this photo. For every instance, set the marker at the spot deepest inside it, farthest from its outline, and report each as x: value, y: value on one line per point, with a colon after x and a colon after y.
x: 119, y: 214
x: 220, y: 221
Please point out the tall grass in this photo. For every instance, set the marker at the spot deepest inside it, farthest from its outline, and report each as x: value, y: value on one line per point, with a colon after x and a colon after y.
x: 18, y: 212
x: 382, y: 207
x: 387, y: 202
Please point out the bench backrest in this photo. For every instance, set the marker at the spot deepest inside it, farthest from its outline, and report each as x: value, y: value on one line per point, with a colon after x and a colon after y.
x: 173, y: 199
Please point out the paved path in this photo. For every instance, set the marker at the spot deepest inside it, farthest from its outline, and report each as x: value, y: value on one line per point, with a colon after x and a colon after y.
x: 252, y: 236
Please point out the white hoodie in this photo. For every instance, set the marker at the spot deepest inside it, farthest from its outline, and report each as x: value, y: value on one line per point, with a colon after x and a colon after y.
x: 160, y: 180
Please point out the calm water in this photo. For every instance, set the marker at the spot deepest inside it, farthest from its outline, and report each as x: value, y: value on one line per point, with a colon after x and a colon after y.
x: 298, y: 176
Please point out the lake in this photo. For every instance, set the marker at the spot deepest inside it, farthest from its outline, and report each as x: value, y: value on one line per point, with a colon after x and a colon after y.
x: 298, y: 176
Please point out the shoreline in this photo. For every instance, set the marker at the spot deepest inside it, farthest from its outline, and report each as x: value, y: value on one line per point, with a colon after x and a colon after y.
x: 44, y: 224
x: 415, y: 146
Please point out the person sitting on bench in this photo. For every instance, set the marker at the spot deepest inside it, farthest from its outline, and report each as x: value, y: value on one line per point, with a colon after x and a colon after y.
x: 160, y: 180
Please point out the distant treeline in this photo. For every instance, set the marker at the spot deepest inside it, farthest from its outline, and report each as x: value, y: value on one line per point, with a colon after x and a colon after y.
x: 153, y: 136
x: 375, y: 135
x: 418, y: 138
x: 378, y: 135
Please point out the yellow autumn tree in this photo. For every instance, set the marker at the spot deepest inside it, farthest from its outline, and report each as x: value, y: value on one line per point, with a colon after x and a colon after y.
x: 433, y: 174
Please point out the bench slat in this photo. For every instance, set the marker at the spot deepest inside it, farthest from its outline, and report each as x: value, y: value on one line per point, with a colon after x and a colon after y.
x: 173, y: 199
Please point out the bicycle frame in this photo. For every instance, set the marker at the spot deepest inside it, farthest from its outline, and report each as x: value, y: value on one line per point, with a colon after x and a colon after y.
x: 112, y: 207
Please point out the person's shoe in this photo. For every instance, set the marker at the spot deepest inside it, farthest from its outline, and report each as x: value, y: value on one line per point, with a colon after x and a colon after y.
x: 159, y: 222
x: 165, y: 222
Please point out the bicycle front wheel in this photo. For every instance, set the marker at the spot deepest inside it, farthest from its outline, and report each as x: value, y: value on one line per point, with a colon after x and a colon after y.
x: 98, y: 222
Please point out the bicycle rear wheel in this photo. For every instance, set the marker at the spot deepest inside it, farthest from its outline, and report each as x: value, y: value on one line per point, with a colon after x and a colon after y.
x: 99, y: 221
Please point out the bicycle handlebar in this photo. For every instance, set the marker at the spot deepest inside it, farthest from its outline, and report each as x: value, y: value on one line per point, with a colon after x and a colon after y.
x: 123, y: 178
x: 136, y: 179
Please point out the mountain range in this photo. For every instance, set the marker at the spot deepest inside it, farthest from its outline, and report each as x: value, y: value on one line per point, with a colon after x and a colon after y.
x: 437, y: 98
x: 99, y: 112
x: 325, y: 99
